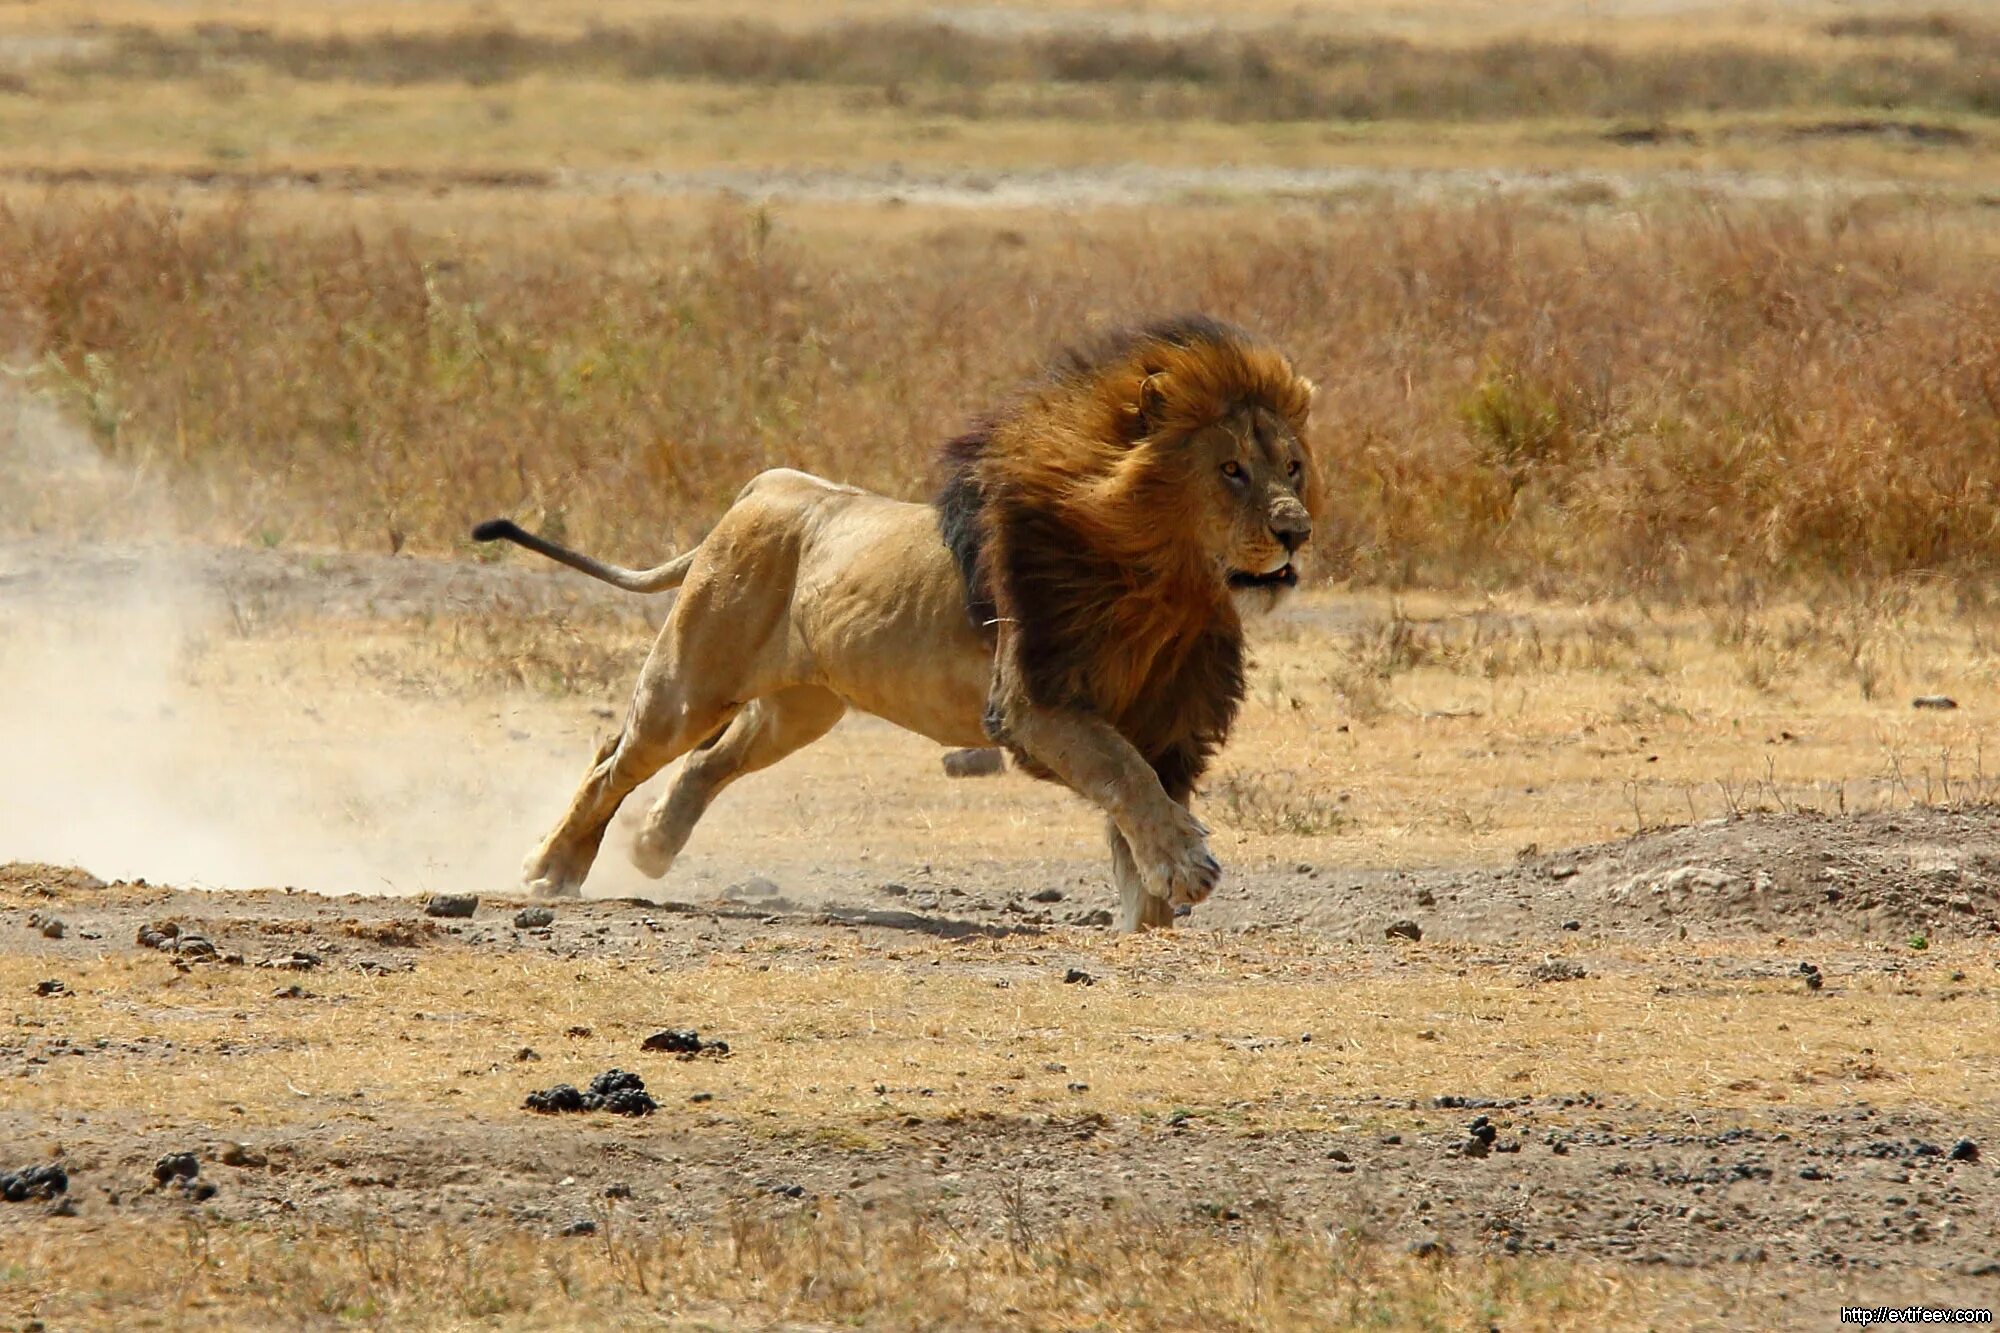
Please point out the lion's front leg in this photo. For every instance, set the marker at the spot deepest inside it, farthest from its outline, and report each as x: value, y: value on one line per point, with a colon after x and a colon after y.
x: 1138, y: 909
x: 1168, y: 845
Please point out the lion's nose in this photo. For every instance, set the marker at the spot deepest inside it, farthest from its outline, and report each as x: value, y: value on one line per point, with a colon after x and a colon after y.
x: 1292, y: 533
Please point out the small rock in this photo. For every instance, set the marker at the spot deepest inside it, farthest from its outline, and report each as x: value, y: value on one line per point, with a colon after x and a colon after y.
x: 1572, y: 924
x: 50, y: 988
x: 1338, y: 1155
x: 1425, y: 898
x: 1810, y: 974
x: 582, y: 1226
x: 1097, y: 917
x: 451, y: 904
x: 1076, y: 976
x: 618, y: 1191
x: 298, y: 960
x: 292, y: 992
x: 699, y: 1097
x: 525, y: 1054
x: 1479, y: 1137
x: 1428, y: 1248
x: 158, y: 934
x: 980, y: 763
x: 894, y: 890
x: 243, y: 1155
x: 1046, y: 896
x: 533, y: 918
x: 1965, y: 1150
x: 176, y: 1166
x: 1404, y: 930
x: 614, y: 1090
x: 53, y: 928
x: 33, y: 1182
x: 673, y: 1040
x: 1557, y: 969
x: 1938, y: 701
x: 752, y: 889
x: 194, y: 946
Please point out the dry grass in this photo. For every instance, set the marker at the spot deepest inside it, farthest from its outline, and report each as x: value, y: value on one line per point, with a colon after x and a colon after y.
x: 824, y: 1271
x: 837, y: 1036
x: 1082, y: 73
x: 849, y: 1041
x: 1688, y: 401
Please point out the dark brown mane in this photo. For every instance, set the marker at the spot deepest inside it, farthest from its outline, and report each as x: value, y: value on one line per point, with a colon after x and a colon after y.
x: 1062, y: 511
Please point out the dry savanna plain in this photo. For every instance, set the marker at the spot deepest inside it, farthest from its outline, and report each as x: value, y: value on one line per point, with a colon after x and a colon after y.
x: 1612, y: 847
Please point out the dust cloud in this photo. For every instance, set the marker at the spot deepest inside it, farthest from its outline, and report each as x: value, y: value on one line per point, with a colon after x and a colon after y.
x: 130, y: 748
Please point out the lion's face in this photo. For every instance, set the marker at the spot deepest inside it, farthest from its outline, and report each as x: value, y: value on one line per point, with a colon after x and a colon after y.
x: 1253, y: 485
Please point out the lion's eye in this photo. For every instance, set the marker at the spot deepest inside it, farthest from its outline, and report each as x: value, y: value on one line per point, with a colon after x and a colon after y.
x: 1292, y: 468
x: 1233, y: 470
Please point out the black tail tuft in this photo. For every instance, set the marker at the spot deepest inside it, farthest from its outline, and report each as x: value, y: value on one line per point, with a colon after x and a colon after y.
x: 495, y: 529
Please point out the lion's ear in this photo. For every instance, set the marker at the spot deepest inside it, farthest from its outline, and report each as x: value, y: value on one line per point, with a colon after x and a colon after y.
x: 1307, y: 387
x: 1152, y: 397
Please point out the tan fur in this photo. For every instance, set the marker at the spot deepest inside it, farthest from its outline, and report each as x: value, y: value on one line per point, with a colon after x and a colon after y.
x: 810, y: 597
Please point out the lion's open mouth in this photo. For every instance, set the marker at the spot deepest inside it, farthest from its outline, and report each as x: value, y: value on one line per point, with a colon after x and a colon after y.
x: 1284, y: 576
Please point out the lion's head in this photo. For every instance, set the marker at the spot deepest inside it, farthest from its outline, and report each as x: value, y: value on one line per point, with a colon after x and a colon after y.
x: 1120, y: 510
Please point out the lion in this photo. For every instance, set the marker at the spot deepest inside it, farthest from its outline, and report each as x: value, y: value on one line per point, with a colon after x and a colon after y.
x: 1074, y: 594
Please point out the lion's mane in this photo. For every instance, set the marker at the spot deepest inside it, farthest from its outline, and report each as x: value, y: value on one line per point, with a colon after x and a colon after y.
x: 1066, y: 513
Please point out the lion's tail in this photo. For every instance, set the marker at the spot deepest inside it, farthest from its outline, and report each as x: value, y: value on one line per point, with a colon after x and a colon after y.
x: 657, y: 579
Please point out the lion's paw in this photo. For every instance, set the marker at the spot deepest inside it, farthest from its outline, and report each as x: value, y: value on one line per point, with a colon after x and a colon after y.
x: 1181, y: 869
x: 543, y: 880
x: 652, y: 859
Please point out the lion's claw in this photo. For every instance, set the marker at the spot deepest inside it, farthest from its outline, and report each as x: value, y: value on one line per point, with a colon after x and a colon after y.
x: 1185, y: 875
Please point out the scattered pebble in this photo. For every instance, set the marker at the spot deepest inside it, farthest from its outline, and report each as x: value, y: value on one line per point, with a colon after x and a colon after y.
x: 1076, y: 976
x: 53, y: 928
x: 158, y: 934
x: 582, y: 1226
x: 1479, y: 1137
x: 684, y: 1042
x: 894, y: 890
x: 176, y: 1166
x: 1572, y: 924
x: 51, y: 988
x: 751, y: 889
x: 1046, y: 896
x: 298, y: 960
x: 1404, y: 930
x: 1965, y: 1150
x: 1938, y: 701
x: 533, y: 918
x: 614, y: 1090
x: 33, y: 1182
x: 451, y: 904
x: 1096, y: 917
x: 243, y: 1155
x: 1810, y: 974
x: 1558, y: 969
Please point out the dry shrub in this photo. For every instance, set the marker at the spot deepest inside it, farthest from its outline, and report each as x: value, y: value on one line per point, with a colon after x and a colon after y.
x: 830, y: 1269
x: 1682, y: 400
x: 1268, y: 74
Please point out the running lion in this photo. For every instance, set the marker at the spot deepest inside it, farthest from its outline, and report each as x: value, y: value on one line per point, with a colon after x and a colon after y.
x: 1073, y: 594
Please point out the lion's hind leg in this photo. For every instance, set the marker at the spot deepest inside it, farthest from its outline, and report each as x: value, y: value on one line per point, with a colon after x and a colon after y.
x: 765, y: 731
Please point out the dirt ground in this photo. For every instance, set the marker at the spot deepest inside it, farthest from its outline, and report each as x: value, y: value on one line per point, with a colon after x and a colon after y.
x: 1749, y: 1054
